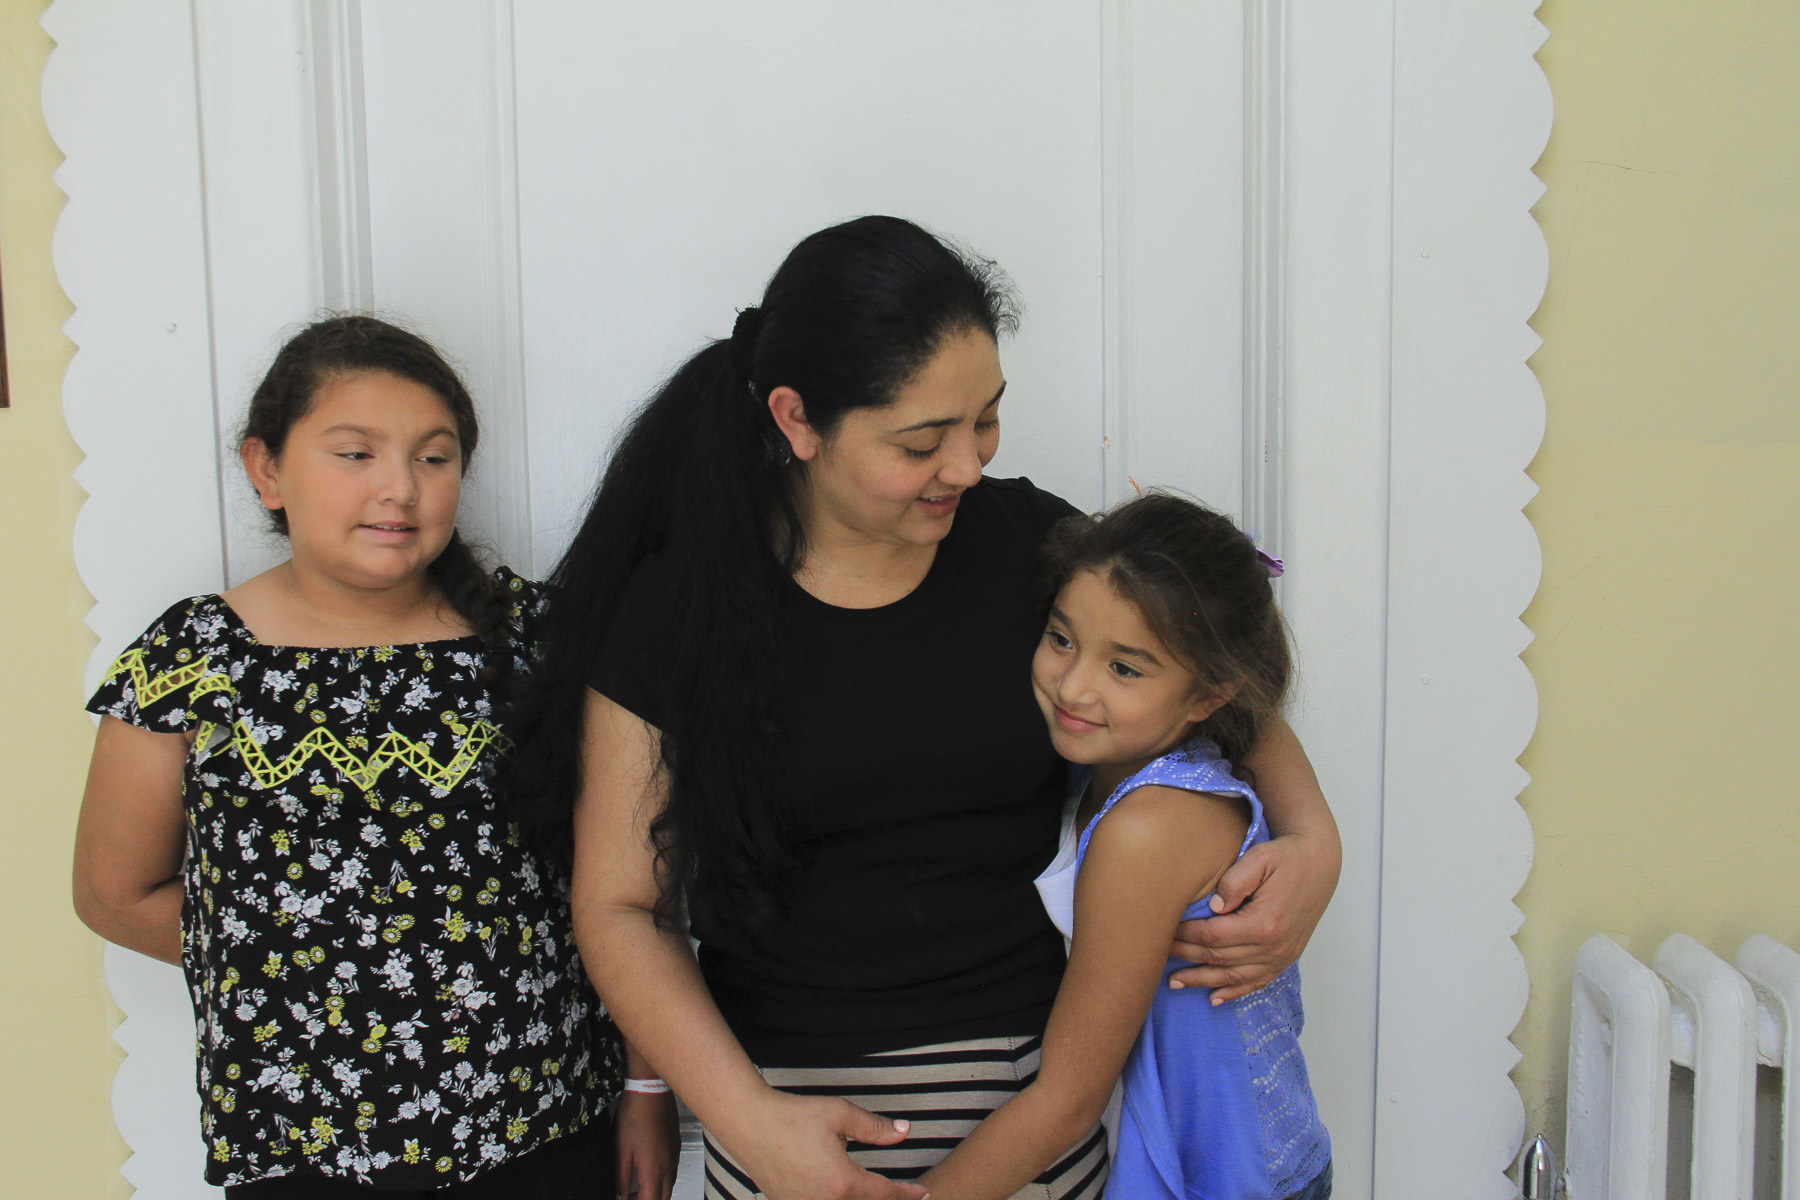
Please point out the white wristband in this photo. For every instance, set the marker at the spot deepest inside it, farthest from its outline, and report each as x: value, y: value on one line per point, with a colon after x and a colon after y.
x: 646, y: 1087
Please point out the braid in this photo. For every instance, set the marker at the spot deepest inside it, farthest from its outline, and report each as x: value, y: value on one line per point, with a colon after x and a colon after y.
x: 478, y: 598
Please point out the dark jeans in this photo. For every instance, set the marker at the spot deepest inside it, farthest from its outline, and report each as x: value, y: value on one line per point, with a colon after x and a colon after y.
x: 579, y: 1164
x: 1318, y: 1189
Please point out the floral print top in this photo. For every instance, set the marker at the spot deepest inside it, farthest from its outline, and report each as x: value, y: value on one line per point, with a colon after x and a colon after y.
x: 385, y: 984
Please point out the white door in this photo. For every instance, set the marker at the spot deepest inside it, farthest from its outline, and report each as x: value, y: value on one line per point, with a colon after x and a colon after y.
x: 570, y: 196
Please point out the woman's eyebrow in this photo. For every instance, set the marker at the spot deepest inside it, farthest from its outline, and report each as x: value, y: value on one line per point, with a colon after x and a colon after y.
x: 944, y: 422
x: 937, y: 423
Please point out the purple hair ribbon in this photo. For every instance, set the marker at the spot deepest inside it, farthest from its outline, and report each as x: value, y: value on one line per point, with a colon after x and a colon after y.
x: 1271, y: 561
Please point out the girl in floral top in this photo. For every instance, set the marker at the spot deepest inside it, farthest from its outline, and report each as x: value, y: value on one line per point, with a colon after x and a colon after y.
x: 292, y: 796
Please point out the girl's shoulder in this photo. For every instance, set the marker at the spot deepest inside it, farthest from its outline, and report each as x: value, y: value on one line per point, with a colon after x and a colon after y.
x: 1194, y: 767
x: 1155, y: 811
x: 197, y: 625
x: 150, y: 682
x: 1164, y: 843
x: 1169, y: 786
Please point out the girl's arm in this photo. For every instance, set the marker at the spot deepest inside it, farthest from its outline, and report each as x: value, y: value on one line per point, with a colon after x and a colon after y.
x: 793, y: 1146
x: 646, y: 1135
x: 128, y: 839
x: 1278, y: 890
x: 1150, y: 857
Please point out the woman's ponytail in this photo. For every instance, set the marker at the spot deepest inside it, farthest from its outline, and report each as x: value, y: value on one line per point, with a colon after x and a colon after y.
x: 691, y: 478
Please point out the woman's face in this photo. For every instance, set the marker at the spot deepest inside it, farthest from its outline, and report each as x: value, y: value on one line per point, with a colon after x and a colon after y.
x: 896, y: 474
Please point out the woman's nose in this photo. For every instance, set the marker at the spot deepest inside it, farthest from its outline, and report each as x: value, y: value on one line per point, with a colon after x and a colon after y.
x: 962, y: 464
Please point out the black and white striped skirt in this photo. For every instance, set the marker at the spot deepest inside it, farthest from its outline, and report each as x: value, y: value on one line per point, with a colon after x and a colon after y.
x: 944, y: 1090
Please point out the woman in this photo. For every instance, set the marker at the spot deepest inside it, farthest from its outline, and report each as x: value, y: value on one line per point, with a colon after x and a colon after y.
x: 791, y: 646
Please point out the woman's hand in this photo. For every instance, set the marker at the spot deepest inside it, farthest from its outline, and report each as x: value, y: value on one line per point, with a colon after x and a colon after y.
x: 795, y: 1150
x: 647, y: 1140
x: 1269, y: 903
x: 1271, y: 900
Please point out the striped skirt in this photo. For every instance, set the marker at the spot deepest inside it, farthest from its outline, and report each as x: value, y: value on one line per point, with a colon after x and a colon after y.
x: 944, y: 1090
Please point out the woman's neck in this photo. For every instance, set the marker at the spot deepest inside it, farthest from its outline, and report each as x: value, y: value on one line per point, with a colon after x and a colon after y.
x: 864, y: 576
x: 848, y: 569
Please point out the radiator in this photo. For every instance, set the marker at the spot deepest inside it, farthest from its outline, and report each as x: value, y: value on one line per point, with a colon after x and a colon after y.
x: 1691, y: 1008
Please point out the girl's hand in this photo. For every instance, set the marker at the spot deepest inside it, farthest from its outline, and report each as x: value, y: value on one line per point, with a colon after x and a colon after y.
x: 795, y: 1150
x: 1270, y: 901
x: 647, y: 1138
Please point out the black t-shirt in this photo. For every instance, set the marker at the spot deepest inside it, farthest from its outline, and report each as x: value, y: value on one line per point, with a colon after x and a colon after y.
x: 925, y: 794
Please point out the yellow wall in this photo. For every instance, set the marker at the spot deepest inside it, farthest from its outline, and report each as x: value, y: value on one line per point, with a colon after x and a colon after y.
x: 1666, y: 768
x: 56, y: 1055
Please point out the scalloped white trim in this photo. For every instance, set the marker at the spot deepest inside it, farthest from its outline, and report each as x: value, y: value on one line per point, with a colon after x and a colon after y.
x: 119, y: 99
x: 1472, y: 116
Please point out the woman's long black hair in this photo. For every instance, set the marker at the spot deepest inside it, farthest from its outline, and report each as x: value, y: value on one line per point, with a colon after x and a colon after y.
x: 701, y: 477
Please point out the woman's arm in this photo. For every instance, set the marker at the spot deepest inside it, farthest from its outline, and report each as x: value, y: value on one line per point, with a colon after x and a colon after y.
x: 1273, y: 897
x: 646, y: 1136
x: 1153, y: 854
x: 128, y: 839
x: 793, y: 1146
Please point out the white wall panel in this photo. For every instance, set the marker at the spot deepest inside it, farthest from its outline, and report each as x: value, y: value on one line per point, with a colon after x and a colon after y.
x: 443, y: 230
x: 1334, y: 367
x: 570, y: 196
x: 670, y: 156
x: 262, y: 228
x: 1174, y: 237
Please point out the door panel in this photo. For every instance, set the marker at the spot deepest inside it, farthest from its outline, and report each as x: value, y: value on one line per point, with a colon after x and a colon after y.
x: 570, y: 197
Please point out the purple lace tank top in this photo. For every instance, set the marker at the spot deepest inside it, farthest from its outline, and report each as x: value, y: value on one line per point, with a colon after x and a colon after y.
x: 1217, y: 1105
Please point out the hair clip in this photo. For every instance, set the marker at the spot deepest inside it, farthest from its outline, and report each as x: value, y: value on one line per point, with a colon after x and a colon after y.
x: 1271, y: 561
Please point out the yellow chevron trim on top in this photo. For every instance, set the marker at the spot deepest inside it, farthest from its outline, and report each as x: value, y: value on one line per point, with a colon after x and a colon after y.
x: 393, y: 748
x: 149, y: 690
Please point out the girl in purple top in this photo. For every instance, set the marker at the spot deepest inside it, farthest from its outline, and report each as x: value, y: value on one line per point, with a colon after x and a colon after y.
x: 1163, y: 656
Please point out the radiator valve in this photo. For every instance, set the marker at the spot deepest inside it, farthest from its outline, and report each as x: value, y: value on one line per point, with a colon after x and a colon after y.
x: 1537, y: 1174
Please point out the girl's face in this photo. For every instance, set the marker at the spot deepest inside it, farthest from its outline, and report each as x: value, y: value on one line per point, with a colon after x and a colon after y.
x: 895, y: 474
x: 369, y: 479
x: 1111, y: 692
